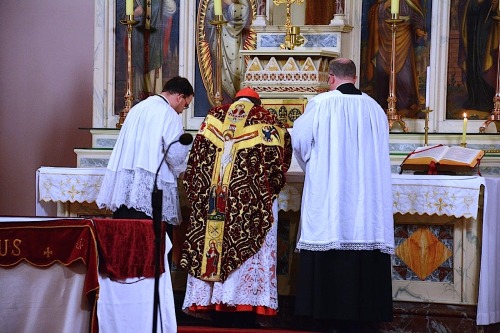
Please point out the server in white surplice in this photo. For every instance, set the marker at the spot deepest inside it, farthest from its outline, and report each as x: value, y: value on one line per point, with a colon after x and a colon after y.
x: 346, y: 233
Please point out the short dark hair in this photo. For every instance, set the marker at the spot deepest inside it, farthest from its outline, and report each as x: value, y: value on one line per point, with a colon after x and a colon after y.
x: 343, y: 68
x: 178, y: 85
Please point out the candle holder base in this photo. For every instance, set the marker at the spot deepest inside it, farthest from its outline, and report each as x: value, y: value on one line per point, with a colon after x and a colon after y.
x: 463, y: 144
x: 400, y: 122
x: 394, y: 118
x: 494, y: 118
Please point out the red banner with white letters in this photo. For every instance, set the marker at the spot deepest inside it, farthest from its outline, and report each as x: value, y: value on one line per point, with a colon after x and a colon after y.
x: 44, y: 243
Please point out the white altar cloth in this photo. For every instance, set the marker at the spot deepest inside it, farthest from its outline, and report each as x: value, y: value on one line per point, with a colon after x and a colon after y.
x: 69, y: 184
x: 488, y: 307
x: 436, y: 195
x: 83, y: 184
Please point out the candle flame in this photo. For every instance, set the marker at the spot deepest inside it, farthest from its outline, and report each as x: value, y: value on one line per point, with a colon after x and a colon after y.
x: 465, y: 115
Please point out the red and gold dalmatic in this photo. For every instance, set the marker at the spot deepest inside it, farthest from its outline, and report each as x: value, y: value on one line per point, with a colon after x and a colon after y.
x: 235, y: 171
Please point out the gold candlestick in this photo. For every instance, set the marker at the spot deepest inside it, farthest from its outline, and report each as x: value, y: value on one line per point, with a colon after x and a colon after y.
x: 129, y: 22
x: 495, y: 114
x: 392, y: 114
x: 426, y: 126
x: 292, y: 37
x: 218, y: 22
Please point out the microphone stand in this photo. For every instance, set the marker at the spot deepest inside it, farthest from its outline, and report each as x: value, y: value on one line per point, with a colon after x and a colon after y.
x: 156, y: 203
x: 157, y: 206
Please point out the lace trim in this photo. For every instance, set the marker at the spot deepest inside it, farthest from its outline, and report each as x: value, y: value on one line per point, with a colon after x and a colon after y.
x: 254, y: 283
x: 384, y: 248
x: 133, y: 189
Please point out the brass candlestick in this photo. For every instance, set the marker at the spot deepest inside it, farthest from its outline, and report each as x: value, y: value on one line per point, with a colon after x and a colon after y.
x: 427, y: 110
x: 392, y: 114
x: 218, y: 22
x: 495, y: 114
x: 292, y: 37
x: 129, y: 22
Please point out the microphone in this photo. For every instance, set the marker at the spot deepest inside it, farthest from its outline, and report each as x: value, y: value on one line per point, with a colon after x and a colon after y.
x: 185, y: 139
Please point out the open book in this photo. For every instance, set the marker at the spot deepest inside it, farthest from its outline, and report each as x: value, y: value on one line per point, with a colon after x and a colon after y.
x: 444, y: 155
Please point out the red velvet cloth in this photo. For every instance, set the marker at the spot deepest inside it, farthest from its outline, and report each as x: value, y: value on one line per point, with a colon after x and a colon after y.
x: 127, y: 248
x: 261, y: 310
x: 44, y: 243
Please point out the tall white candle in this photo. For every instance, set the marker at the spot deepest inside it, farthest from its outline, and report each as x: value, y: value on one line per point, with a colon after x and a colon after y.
x: 129, y: 7
x: 395, y: 7
x: 428, y: 86
x: 464, y: 131
x: 217, y: 7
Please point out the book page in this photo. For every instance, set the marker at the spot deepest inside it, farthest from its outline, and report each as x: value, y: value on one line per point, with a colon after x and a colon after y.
x: 432, y: 152
x: 462, y: 155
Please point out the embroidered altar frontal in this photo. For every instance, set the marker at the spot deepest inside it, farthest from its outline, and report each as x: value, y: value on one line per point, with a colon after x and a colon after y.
x: 46, y: 243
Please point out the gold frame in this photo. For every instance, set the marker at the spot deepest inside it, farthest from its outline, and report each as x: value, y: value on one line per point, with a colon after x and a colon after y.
x: 204, y: 55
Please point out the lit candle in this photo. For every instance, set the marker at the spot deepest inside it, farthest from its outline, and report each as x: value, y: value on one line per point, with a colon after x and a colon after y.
x: 129, y: 7
x: 428, y: 86
x: 217, y: 7
x: 395, y: 7
x: 464, y: 132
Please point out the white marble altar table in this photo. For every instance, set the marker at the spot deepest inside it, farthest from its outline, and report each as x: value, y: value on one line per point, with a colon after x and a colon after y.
x: 456, y: 196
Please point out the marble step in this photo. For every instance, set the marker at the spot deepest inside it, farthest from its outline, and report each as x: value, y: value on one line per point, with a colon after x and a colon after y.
x: 400, y: 144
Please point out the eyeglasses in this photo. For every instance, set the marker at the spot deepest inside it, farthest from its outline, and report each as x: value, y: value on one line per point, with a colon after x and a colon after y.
x: 186, y: 105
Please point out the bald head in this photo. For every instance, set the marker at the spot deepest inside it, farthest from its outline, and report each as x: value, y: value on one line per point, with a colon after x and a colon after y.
x: 341, y: 70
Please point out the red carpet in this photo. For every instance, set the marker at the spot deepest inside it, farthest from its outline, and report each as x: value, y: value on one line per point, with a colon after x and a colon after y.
x: 205, y: 329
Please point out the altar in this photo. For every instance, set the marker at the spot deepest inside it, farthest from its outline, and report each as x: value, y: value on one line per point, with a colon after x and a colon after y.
x: 447, y: 236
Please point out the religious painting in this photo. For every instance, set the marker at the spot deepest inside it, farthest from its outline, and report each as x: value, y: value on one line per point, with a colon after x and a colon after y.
x: 472, y: 59
x: 155, y: 48
x: 236, y: 35
x: 411, y: 54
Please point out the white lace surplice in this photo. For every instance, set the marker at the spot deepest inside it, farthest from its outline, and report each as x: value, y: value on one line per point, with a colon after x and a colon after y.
x: 253, y: 283
x: 133, y: 188
x: 151, y: 128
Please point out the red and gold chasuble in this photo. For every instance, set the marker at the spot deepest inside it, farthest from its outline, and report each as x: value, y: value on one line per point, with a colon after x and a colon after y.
x: 236, y: 169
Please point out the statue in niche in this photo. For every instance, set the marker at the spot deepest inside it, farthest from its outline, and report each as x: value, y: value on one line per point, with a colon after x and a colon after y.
x: 261, y: 7
x: 410, y: 35
x: 339, y: 7
x: 236, y: 35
